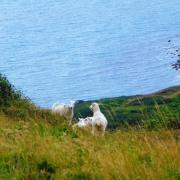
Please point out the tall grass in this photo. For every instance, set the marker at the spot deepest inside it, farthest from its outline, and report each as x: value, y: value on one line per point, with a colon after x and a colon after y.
x: 36, y: 144
x: 38, y: 150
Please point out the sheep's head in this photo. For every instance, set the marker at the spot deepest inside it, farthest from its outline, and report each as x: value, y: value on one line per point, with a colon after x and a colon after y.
x: 81, y: 119
x: 94, y: 107
x: 70, y: 106
x: 69, y: 109
x: 88, y: 120
x: 72, y: 103
x: 84, y: 122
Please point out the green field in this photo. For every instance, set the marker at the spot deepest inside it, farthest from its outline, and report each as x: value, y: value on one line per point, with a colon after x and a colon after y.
x: 152, y: 111
x: 142, y: 140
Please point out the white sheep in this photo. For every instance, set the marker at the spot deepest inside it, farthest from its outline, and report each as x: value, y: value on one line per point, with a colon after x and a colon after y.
x: 83, y: 122
x: 99, y: 121
x: 64, y: 110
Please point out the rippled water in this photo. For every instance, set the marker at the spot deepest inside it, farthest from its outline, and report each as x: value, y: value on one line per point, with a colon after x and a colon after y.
x: 75, y: 49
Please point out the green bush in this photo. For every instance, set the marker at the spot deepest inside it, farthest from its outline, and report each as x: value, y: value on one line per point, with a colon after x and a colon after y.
x: 8, y: 93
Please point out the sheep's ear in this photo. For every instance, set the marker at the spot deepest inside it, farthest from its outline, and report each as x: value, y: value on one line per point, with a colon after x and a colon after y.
x: 72, y: 103
x: 90, y: 119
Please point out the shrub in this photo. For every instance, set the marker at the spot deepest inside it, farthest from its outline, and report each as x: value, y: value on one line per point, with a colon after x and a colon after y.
x: 8, y: 93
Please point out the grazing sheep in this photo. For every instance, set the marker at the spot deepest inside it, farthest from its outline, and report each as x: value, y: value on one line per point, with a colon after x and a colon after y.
x: 83, y: 122
x: 64, y: 110
x: 99, y: 121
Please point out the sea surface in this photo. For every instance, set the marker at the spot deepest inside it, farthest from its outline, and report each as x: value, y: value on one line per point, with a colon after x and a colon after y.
x: 61, y: 50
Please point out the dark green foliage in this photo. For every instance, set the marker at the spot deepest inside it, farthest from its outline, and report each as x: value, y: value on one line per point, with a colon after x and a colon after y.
x: 46, y: 170
x: 12, y: 102
x: 46, y: 167
x: 8, y: 94
x: 18, y: 107
x: 151, y: 111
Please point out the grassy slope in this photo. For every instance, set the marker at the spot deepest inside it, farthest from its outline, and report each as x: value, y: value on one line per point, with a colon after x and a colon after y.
x: 135, y: 109
x: 35, y: 144
x: 31, y: 150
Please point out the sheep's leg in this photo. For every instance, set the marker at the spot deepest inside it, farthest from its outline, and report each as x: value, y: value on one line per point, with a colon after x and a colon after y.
x: 70, y: 122
x: 103, y: 131
x: 93, y: 130
x: 74, y: 126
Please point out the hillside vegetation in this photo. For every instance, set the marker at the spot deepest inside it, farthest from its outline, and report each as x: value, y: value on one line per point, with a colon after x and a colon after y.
x: 15, y: 106
x: 151, y: 111
x: 36, y: 144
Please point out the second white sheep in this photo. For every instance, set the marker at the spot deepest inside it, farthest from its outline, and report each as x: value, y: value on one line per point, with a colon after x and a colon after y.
x: 64, y: 110
x: 99, y: 121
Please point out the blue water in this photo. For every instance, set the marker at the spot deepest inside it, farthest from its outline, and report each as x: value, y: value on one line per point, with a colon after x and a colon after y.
x: 75, y: 49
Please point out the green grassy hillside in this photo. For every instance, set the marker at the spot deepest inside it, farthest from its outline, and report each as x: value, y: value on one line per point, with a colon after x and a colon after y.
x: 153, y: 110
x: 146, y: 110
x: 15, y: 106
x: 36, y: 144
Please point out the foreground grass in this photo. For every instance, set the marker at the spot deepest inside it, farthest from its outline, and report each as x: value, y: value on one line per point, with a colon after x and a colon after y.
x: 36, y: 150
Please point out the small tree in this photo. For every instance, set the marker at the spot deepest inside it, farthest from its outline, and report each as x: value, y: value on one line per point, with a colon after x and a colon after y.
x: 7, y: 92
